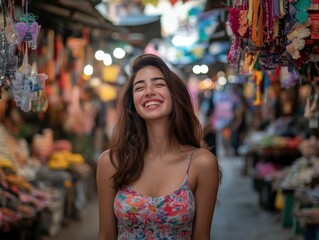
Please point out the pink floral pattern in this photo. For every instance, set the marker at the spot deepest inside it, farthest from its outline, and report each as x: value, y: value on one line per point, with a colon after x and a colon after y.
x: 167, y: 217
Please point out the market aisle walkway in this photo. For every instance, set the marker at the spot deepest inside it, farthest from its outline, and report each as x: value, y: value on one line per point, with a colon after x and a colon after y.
x: 84, y: 229
x: 238, y: 215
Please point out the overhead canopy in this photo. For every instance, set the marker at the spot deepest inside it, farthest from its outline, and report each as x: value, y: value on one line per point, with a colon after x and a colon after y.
x: 70, y: 16
x: 127, y: 21
x: 131, y: 16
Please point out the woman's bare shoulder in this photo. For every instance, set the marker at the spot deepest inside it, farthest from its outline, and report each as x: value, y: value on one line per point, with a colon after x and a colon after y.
x: 204, y: 160
x: 105, y: 157
x: 105, y: 162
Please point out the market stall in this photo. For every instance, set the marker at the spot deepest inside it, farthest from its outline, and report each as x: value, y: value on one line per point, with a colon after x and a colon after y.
x: 275, y: 47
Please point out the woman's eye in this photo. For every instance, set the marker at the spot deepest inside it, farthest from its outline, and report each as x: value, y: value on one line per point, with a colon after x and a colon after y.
x: 138, y: 89
x: 160, y: 84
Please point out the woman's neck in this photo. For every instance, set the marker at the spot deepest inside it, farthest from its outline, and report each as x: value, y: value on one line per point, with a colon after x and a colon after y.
x: 158, y: 140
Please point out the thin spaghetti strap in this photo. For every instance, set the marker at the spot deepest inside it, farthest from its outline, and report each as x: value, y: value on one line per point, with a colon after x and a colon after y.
x: 190, y: 160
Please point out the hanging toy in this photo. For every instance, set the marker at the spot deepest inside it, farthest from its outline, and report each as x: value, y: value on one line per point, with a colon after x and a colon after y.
x: 28, y: 30
x: 27, y: 86
x: 21, y: 87
x: 40, y: 104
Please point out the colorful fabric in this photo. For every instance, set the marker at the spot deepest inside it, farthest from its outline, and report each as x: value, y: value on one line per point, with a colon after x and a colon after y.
x: 167, y: 217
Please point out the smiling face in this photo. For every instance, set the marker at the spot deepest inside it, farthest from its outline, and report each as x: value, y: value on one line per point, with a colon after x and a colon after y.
x: 152, y: 98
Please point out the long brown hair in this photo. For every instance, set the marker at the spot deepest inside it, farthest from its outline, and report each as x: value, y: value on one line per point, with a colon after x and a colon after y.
x: 129, y: 141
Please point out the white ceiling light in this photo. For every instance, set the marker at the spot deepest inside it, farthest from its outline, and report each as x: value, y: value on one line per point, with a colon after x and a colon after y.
x: 99, y: 55
x: 88, y: 70
x: 119, y: 53
x: 107, y: 59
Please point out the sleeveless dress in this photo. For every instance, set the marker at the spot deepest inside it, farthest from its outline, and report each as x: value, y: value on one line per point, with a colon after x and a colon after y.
x: 168, y: 217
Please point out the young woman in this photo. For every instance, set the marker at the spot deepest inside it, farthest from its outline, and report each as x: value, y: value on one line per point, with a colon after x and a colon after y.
x: 156, y: 181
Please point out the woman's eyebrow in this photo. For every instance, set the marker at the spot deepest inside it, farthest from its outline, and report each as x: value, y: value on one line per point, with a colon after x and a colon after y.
x: 139, y: 81
x: 157, y: 78
x: 152, y: 79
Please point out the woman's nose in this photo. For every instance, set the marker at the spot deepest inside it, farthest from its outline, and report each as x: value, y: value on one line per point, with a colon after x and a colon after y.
x: 149, y: 90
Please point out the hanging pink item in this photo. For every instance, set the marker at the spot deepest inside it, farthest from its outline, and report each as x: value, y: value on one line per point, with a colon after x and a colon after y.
x: 173, y: 2
x: 28, y: 33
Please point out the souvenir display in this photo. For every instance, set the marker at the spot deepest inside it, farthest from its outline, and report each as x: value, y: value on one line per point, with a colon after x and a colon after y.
x: 16, y: 38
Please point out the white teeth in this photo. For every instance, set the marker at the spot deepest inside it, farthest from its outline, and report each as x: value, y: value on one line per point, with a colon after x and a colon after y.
x: 152, y: 103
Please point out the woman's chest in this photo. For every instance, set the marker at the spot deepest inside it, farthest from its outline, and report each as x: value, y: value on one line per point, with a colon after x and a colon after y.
x: 173, y: 210
x: 159, y: 179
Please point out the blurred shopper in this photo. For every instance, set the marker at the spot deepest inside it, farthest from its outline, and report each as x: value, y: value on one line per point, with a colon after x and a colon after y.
x: 222, y: 118
x: 209, y: 132
x: 238, y: 125
x: 156, y: 181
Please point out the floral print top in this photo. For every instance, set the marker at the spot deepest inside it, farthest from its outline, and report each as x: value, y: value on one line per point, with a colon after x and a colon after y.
x: 167, y: 217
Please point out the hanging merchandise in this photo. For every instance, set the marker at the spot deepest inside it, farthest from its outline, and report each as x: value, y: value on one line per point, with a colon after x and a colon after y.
x: 28, y: 30
x: 173, y: 2
x: 258, y: 81
x: 234, y: 24
x: 279, y: 32
x: 27, y: 86
x: 297, y: 38
x: 271, y: 35
x: 301, y: 7
x: 152, y: 2
x: 8, y: 59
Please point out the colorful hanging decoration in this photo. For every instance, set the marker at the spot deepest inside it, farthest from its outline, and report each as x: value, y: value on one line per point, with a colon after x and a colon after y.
x: 152, y: 2
x: 279, y: 31
x: 173, y: 2
x: 257, y: 27
x: 27, y: 86
x: 28, y: 30
x: 281, y: 35
x: 258, y: 77
x: 302, y: 10
x: 8, y: 59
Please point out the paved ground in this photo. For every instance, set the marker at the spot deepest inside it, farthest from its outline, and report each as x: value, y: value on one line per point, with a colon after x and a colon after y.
x: 238, y: 215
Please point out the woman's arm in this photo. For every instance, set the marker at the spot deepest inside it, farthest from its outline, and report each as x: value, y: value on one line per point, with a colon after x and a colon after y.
x: 106, y: 195
x: 206, y: 167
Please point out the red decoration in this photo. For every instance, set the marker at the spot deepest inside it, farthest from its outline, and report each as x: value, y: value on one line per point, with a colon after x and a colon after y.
x: 173, y: 2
